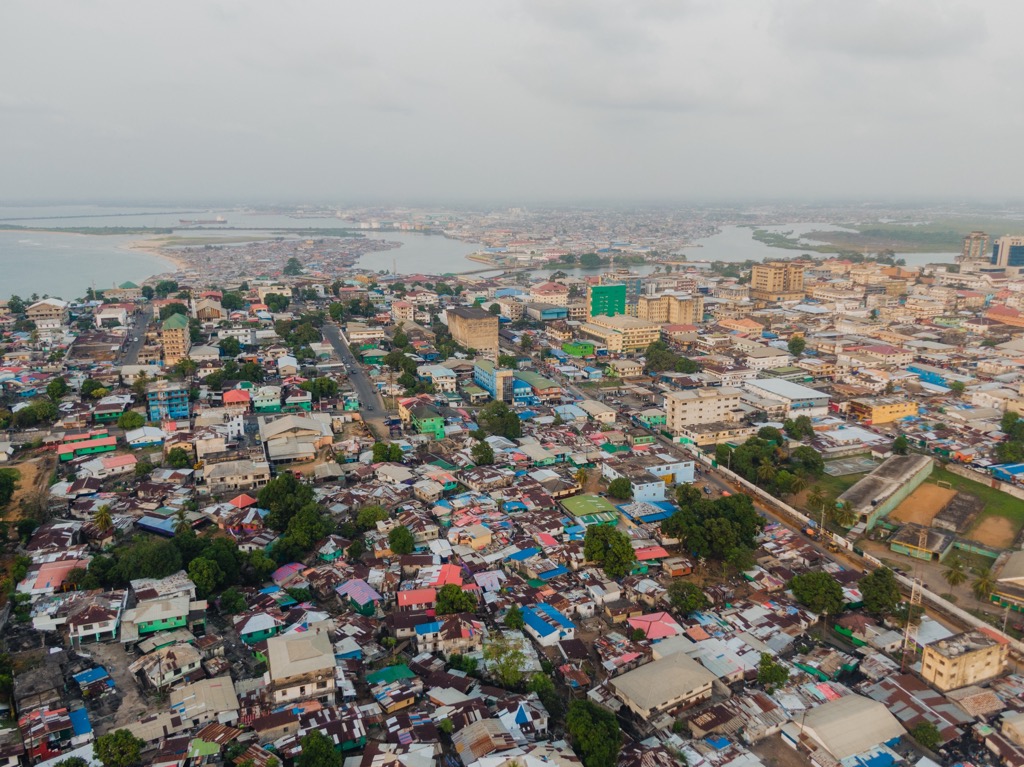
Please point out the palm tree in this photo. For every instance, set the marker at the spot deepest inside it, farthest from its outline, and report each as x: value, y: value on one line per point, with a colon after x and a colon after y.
x: 181, y: 523
x: 797, y: 484
x: 581, y: 476
x: 102, y: 518
x: 984, y: 585
x: 839, y: 513
x: 765, y: 473
x: 955, y: 573
x: 816, y: 498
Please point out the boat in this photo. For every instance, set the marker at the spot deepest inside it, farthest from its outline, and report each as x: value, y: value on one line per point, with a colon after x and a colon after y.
x: 202, y: 221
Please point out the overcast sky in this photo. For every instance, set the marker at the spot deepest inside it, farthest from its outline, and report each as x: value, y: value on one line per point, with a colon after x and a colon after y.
x: 555, y: 100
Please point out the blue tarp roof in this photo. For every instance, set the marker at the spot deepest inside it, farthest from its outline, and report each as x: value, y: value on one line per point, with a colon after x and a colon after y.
x: 80, y: 721
x: 91, y: 675
x: 716, y: 742
x: 546, y: 576
x: 519, y: 556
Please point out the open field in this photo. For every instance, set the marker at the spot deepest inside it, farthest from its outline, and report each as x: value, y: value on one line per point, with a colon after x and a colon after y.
x: 997, y: 532
x: 832, y: 486
x: 923, y: 504
x: 998, y: 506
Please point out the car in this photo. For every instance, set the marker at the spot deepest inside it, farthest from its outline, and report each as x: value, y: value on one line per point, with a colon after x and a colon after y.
x: 707, y: 490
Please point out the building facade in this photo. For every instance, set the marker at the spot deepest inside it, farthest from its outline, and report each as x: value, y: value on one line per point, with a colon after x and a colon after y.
x: 607, y: 300
x: 777, y: 281
x: 474, y: 328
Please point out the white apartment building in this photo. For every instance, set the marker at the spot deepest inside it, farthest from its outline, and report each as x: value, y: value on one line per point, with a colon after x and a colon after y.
x: 710, y: 404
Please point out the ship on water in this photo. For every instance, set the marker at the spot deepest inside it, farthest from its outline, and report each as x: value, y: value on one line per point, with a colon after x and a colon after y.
x: 220, y: 220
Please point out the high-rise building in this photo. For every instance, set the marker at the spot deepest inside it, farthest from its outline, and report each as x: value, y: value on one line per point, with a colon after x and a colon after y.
x: 167, y: 400
x: 672, y: 308
x: 174, y: 337
x: 608, y: 300
x: 1008, y: 252
x: 975, y: 249
x: 474, y: 328
x: 777, y: 281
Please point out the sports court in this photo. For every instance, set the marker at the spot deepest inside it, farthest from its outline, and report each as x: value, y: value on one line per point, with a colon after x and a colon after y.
x: 857, y: 464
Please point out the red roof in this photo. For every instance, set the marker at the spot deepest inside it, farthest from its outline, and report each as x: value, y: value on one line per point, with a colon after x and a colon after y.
x: 416, y: 597
x: 236, y: 395
x: 242, y: 501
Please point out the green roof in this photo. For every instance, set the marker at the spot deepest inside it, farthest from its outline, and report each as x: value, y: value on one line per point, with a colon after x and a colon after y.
x: 128, y: 286
x: 535, y: 380
x: 582, y: 505
x: 390, y: 674
x: 175, y: 322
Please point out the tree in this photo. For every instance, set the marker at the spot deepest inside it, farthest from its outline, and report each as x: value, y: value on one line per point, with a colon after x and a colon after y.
x: 318, y: 751
x: 880, y: 591
x: 320, y: 388
x: 818, y: 592
x: 72, y: 761
x: 498, y: 418
x: 808, y: 460
x: 369, y: 516
x: 984, y: 585
x: 610, y: 549
x: 118, y: 749
x: 957, y: 387
x: 771, y: 434
x: 277, y: 303
x: 90, y: 386
x: 505, y: 659
x: 595, y: 733
x: 770, y: 674
x: 955, y: 572
x: 170, y: 310
x: 796, y: 345
x: 131, y: 420
x: 686, y: 597
x: 514, y: 618
x: 452, y: 599
x: 620, y: 489
x: 7, y: 485
x: 206, y: 574
x: 483, y: 454
x: 57, y: 388
x: 102, y: 518
x: 900, y: 445
x: 165, y: 287
x: 283, y: 496
x: 230, y: 346
x: 401, y: 541
x: 178, y: 458
x: 293, y: 267
x: 927, y: 735
x: 143, y: 468
x: 232, y: 602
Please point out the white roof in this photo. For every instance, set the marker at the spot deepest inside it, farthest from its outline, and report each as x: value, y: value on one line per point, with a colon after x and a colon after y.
x: 851, y: 725
x: 655, y: 684
x: 297, y: 654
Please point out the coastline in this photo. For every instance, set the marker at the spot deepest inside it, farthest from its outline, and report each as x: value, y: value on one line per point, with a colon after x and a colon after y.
x: 151, y: 247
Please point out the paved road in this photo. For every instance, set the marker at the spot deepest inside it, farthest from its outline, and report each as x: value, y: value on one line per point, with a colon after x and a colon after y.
x: 136, y: 330
x: 371, y: 406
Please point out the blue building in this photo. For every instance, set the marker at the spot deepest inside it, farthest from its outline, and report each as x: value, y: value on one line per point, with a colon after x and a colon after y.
x: 547, y: 625
x: 929, y: 374
x: 167, y: 400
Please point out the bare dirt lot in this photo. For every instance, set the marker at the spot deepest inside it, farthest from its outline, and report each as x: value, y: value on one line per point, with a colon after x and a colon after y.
x: 923, y: 504
x: 32, y: 475
x: 997, y: 532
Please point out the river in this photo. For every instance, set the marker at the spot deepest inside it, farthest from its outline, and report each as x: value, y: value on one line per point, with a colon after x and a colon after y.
x: 67, y: 264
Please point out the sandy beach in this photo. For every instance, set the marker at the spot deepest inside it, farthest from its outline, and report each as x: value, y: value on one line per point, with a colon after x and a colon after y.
x: 153, y: 246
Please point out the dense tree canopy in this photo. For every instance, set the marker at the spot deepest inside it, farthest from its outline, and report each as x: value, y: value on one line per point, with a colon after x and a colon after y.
x: 880, y: 591
x: 686, y: 597
x: 498, y: 418
x: 818, y: 592
x: 118, y: 749
x: 401, y: 541
x: 621, y: 489
x: 595, y: 733
x: 283, y: 496
x: 610, y: 549
x: 725, y: 529
x: 452, y: 599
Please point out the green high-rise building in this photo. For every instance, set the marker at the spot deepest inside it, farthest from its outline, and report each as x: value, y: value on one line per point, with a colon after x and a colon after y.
x: 606, y: 299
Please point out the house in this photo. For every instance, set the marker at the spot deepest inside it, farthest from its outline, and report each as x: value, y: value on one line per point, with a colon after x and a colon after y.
x: 360, y: 595
x: 844, y: 728
x: 963, y: 659
x: 547, y: 625
x: 205, y: 701
x: 166, y: 665
x: 234, y: 476
x: 458, y: 634
x: 301, y: 666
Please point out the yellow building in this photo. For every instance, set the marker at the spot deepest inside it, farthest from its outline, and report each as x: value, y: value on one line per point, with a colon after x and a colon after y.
x: 174, y: 338
x: 622, y: 333
x: 777, y: 281
x: 671, y: 308
x: 962, y: 660
x: 880, y: 410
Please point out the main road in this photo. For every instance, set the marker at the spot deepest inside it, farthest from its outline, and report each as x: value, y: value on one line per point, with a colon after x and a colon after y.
x: 371, y: 406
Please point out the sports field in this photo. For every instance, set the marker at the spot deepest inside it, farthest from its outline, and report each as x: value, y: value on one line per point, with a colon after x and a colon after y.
x: 921, y: 506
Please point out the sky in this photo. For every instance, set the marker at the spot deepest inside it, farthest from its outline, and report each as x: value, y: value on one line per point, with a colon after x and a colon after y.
x: 554, y: 100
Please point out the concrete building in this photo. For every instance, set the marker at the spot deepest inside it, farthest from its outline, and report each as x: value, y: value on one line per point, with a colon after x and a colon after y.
x: 621, y: 333
x: 474, y: 328
x: 777, y: 281
x: 301, y: 666
x: 606, y: 300
x: 672, y: 682
x: 167, y: 400
x: 711, y: 404
x: 554, y: 293
x: 975, y: 252
x: 174, y: 338
x: 884, y: 489
x: 881, y: 410
x: 672, y: 308
x: 498, y: 382
x: 843, y: 728
x: 962, y: 660
x: 48, y: 314
x: 236, y: 476
x: 797, y: 400
x: 1008, y: 252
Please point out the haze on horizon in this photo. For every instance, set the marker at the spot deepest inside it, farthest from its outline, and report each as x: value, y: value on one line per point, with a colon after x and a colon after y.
x: 560, y: 100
